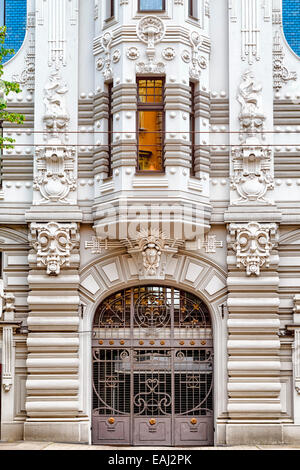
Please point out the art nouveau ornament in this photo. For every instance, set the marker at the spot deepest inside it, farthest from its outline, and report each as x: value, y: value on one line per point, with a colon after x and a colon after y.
x: 252, y: 175
x: 281, y: 75
x: 151, y: 244
x: 195, y: 68
x: 55, y: 174
x: 252, y: 165
x: 168, y: 53
x: 27, y: 77
x: 150, y: 30
x: 132, y: 53
x: 116, y: 56
x: 250, y: 98
x: 53, y: 243
x: 56, y: 117
x: 104, y: 64
x: 252, y: 244
x: 151, y: 247
x: 150, y: 67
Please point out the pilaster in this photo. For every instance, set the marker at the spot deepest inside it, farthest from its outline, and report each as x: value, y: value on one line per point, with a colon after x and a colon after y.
x: 52, y: 386
x: 252, y: 218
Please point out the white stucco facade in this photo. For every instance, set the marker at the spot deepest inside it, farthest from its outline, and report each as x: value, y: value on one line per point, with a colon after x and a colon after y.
x: 228, y: 232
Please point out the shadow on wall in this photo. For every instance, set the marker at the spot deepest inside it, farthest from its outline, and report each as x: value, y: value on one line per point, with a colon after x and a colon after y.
x: 291, y: 23
x: 14, y: 13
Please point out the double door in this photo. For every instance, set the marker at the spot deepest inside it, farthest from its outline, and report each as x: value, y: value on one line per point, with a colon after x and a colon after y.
x: 152, y: 396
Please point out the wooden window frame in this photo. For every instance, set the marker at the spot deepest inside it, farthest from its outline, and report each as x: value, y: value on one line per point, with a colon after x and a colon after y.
x: 191, y: 10
x: 151, y: 107
x: 163, y: 9
x: 111, y: 14
x: 110, y: 128
x: 192, y: 127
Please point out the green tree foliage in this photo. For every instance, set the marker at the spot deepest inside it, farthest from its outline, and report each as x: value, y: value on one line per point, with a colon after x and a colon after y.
x: 5, y: 88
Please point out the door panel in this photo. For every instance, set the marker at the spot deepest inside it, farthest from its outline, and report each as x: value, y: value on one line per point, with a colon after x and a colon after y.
x: 152, y: 369
x: 108, y: 430
x: 153, y: 431
x: 193, y: 430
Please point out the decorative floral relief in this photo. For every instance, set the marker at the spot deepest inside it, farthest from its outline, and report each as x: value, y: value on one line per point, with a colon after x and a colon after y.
x: 202, y: 61
x: 132, y: 53
x: 281, y: 75
x: 252, y: 170
x: 116, y: 55
x: 104, y: 64
x: 100, y: 64
x: 55, y: 174
x: 150, y: 67
x: 53, y: 243
x: 196, y: 41
x: 150, y: 30
x: 252, y: 176
x: 168, y: 53
x: 27, y: 77
x: 186, y: 56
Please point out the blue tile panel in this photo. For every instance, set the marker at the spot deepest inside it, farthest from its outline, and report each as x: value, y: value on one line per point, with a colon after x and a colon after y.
x: 15, y: 22
x: 291, y: 23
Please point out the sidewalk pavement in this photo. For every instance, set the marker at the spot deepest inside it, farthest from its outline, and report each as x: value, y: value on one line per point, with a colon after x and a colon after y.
x: 35, y: 445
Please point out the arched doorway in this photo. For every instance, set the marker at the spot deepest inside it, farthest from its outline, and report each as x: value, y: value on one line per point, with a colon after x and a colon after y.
x: 152, y: 369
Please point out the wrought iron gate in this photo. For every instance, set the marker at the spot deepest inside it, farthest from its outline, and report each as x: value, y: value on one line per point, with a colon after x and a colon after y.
x: 152, y: 369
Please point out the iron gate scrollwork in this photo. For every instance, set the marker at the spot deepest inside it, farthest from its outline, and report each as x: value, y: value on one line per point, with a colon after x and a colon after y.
x: 152, y: 369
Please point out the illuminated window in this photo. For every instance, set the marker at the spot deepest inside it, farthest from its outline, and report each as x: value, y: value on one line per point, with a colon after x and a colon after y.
x: 150, y: 121
x: 193, y: 8
x: 151, y: 5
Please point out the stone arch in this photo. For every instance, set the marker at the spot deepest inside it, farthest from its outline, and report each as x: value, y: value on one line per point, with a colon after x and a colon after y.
x: 9, y: 236
x: 198, y: 275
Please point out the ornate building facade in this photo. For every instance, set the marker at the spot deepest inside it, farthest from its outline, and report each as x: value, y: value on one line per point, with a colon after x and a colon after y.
x: 150, y: 225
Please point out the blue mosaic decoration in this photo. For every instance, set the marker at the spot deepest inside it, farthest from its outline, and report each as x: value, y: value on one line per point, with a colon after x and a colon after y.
x: 15, y: 17
x: 291, y: 23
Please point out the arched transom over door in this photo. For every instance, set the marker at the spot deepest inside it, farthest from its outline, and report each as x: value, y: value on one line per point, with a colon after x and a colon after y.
x: 152, y: 369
